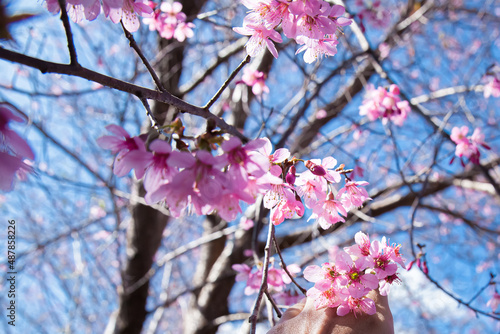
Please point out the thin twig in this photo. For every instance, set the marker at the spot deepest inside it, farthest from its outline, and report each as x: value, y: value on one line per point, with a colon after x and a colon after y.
x: 69, y: 35
x: 490, y: 282
x: 283, y: 265
x: 133, y: 45
x: 273, y: 303
x: 227, y: 82
x: 263, y: 285
x: 152, y: 118
x: 222, y: 56
x: 460, y: 301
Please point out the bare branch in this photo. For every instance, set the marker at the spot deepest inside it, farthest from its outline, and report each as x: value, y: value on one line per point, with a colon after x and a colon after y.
x: 69, y: 34
x: 133, y: 45
x: 227, y: 82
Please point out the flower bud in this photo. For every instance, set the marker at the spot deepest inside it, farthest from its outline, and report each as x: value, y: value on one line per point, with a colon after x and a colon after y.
x: 424, y: 267
x: 315, y: 169
x: 290, y: 177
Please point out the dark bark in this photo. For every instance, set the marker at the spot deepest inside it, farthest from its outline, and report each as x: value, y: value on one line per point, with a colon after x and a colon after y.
x: 143, y: 239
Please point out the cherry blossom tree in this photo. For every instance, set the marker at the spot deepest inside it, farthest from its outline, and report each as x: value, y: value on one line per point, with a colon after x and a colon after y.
x: 198, y: 166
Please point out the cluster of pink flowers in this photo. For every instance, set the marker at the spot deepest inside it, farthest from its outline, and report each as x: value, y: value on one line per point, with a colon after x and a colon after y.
x: 277, y: 281
x: 254, y: 79
x: 312, y: 23
x: 13, y: 149
x: 116, y: 10
x: 206, y: 183
x: 313, y: 187
x: 170, y: 21
x: 468, y: 146
x: 494, y: 302
x: 374, y: 13
x: 385, y: 104
x: 492, y: 87
x: 345, y: 282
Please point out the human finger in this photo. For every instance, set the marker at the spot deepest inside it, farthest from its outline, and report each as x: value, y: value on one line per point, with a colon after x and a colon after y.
x: 293, y: 310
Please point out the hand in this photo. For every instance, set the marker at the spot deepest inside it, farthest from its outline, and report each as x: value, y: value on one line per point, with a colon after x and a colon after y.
x: 303, y: 318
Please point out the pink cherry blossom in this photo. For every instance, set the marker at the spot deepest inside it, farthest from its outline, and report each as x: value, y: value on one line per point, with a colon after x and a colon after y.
x: 321, y: 113
x: 157, y: 19
x: 256, y: 80
x: 395, y: 255
x: 128, y: 13
x: 208, y: 182
x: 288, y: 206
x: 246, y: 223
x: 324, y: 168
x: 246, y: 156
x: 164, y: 164
x: 478, y: 138
x: 358, y: 282
x: 243, y: 272
x: 53, y: 6
x: 175, y: 194
x: 13, y: 149
x: 278, y: 156
x: 293, y: 269
x: 336, y: 15
x: 287, y: 297
x: 468, y: 147
x: 351, y: 275
x: 374, y: 13
x: 10, y: 166
x: 169, y: 21
x: 323, y: 277
x: 385, y: 104
x: 173, y: 12
x: 382, y: 262
x: 252, y: 278
x: 117, y: 10
x: 131, y: 151
x: 276, y: 192
x: 317, y: 48
x: 311, y: 189
x: 357, y: 305
x: 228, y: 207
x: 331, y: 297
x: 184, y: 30
x: 312, y: 18
x: 10, y: 141
x: 263, y: 11
x: 277, y: 279
x: 260, y: 38
x: 311, y: 23
x: 459, y: 135
x: 492, y: 88
x: 328, y: 212
x: 386, y: 284
x: 352, y: 195
x: 494, y: 302
x: 362, y: 246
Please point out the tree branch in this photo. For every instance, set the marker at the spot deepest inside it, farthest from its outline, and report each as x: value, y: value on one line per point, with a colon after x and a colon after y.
x: 140, y: 92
